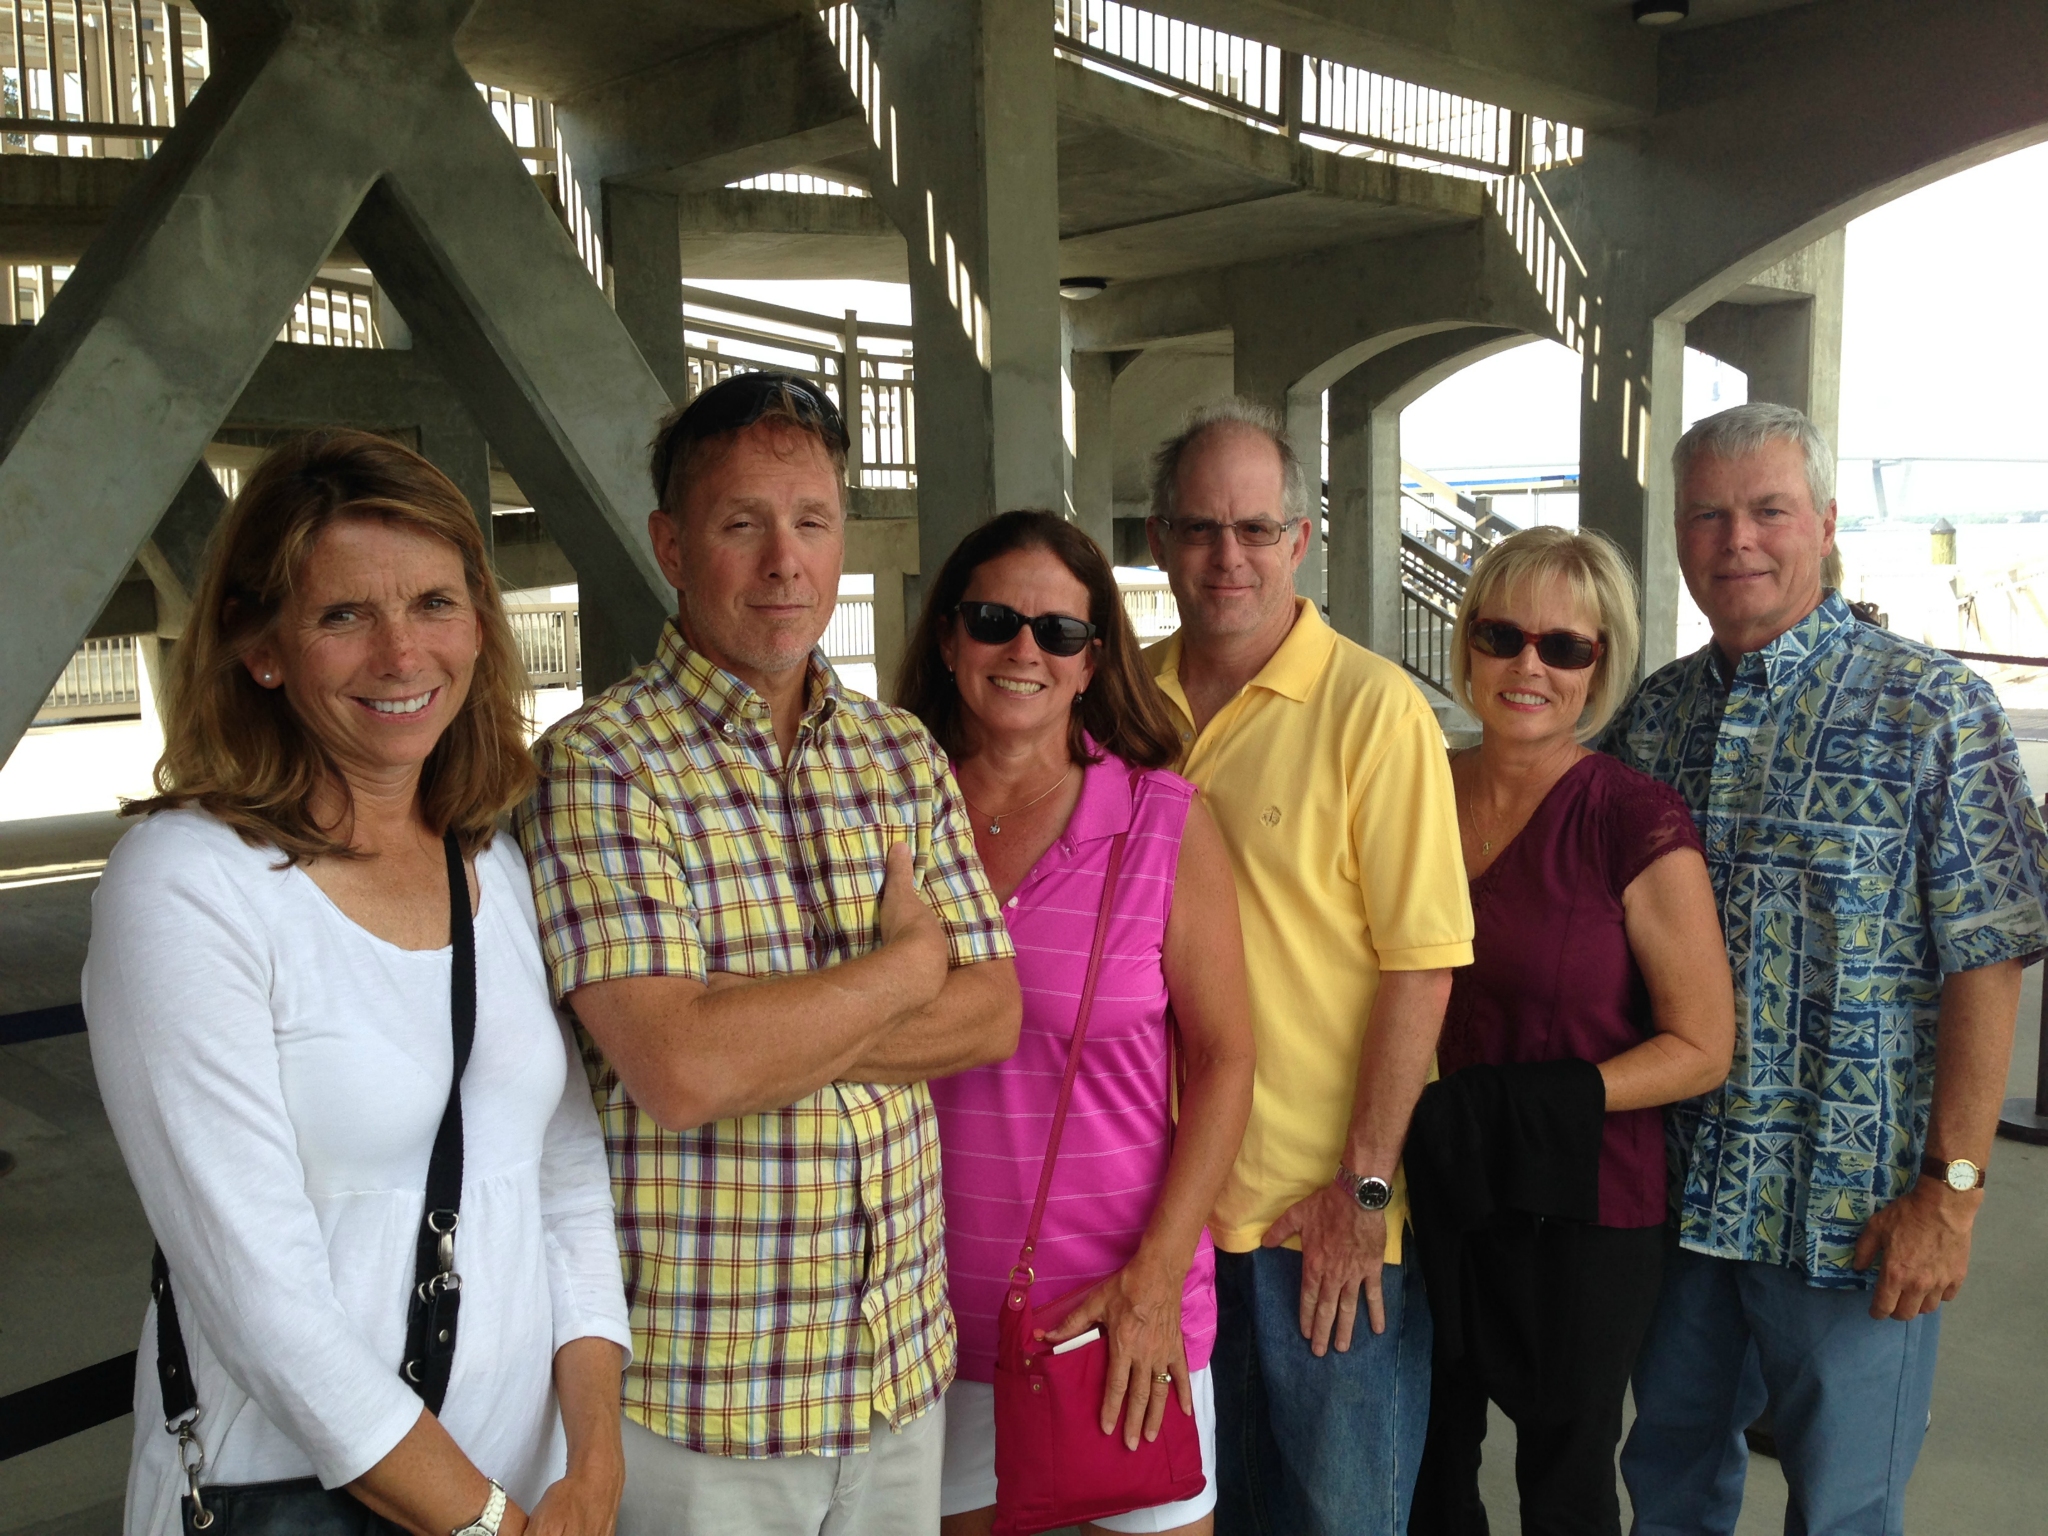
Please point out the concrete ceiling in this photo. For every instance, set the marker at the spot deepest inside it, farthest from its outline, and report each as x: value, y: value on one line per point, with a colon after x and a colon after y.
x: 1714, y: 13
x: 556, y: 50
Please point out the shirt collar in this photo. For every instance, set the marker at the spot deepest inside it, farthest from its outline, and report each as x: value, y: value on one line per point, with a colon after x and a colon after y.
x: 723, y: 699
x: 1290, y: 671
x: 1789, y: 657
x: 1104, y: 806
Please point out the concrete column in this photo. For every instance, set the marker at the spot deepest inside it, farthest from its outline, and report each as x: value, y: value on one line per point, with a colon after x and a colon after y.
x: 1784, y: 331
x: 316, y: 112
x: 887, y: 547
x: 967, y: 164
x: 644, y: 255
x: 453, y: 445
x: 1092, y: 373
x: 1629, y: 419
x: 1365, y: 474
x: 1304, y: 418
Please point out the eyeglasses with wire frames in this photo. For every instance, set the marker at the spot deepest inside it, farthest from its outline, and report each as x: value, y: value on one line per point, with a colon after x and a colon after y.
x: 1559, y: 648
x: 1202, y: 532
x: 1057, y: 634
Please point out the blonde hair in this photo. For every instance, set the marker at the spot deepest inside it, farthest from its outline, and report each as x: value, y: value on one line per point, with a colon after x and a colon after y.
x: 240, y: 751
x: 1600, y: 583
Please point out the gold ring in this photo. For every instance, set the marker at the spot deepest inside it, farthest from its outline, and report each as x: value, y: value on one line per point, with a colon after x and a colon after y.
x: 1164, y: 1378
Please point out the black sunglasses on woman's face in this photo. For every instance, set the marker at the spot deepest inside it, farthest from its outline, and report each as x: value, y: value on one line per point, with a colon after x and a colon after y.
x: 1558, y: 648
x: 1057, y: 634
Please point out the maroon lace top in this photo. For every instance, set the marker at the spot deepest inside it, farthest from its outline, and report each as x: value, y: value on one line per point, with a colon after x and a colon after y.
x: 1552, y: 974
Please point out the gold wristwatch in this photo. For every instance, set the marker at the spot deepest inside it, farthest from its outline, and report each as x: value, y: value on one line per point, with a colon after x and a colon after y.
x: 1958, y: 1173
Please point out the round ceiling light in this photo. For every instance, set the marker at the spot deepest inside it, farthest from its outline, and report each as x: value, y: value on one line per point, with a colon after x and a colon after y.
x: 1662, y: 13
x: 1082, y: 287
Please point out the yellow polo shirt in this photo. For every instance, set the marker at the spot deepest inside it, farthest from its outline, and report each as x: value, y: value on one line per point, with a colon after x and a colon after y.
x: 1328, y: 777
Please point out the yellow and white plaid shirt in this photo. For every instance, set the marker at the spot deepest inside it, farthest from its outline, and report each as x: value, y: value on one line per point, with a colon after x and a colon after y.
x: 786, y: 1270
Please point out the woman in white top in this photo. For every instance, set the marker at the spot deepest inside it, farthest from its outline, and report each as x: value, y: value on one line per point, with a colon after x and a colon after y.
x: 268, y: 998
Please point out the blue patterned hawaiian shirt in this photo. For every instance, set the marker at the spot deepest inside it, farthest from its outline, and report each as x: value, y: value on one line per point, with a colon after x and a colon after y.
x: 1869, y: 831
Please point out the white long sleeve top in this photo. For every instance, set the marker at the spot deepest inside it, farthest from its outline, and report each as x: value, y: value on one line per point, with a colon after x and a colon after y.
x: 275, y: 1075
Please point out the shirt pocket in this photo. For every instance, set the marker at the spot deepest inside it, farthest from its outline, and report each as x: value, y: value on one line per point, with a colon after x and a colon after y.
x: 853, y: 862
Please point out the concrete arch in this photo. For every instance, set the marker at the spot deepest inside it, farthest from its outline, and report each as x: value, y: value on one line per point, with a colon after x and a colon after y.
x: 1771, y: 135
x: 1364, y: 578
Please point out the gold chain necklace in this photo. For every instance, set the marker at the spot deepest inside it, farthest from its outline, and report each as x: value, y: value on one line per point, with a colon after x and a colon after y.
x: 995, y: 822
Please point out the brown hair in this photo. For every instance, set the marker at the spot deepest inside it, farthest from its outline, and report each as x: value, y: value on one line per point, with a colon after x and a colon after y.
x: 1124, y: 710
x: 240, y: 751
x: 697, y: 435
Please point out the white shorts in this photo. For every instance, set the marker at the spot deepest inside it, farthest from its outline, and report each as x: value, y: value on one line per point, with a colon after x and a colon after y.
x: 968, y: 1480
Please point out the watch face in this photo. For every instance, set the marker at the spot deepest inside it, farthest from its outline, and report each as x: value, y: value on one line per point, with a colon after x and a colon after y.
x: 1374, y: 1193
x: 1962, y: 1175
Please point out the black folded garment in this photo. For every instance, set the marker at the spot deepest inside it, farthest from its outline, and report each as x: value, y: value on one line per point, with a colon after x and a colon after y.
x: 1503, y: 1171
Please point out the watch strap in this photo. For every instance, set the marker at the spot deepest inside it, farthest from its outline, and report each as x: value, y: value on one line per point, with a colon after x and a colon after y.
x: 487, y: 1523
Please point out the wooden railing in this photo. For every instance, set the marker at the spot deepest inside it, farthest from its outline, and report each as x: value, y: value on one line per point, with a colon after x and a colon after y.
x: 332, y: 313
x: 550, y: 640
x: 724, y: 335
x: 100, y: 682
x: 97, y: 71
x: 1347, y: 109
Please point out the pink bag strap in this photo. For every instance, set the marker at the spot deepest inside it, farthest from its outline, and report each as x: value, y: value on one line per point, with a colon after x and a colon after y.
x: 1022, y: 1275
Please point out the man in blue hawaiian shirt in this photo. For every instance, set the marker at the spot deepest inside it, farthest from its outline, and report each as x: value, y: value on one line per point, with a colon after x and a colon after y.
x: 1881, y: 873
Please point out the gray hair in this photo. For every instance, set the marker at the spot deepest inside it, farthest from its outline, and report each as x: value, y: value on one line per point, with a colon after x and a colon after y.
x: 1745, y: 429
x: 1235, y: 412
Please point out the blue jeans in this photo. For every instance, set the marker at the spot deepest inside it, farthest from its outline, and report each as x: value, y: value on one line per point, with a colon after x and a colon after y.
x: 1309, y: 1447
x: 1848, y: 1396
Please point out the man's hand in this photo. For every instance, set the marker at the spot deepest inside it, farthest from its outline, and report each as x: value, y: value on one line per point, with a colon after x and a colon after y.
x: 582, y: 1503
x: 1923, y: 1238
x: 910, y: 929
x: 1342, y: 1247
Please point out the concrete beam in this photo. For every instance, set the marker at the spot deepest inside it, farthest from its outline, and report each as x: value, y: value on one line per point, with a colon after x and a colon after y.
x: 745, y: 233
x: 1585, y: 64
x: 317, y: 108
x: 759, y: 102
x: 1149, y: 187
x: 643, y: 251
x: 556, y: 51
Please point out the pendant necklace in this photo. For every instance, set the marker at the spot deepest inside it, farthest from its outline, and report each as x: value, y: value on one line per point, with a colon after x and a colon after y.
x: 995, y: 822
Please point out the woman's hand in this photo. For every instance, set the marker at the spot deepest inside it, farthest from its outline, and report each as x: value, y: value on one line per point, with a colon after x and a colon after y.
x: 1138, y: 1310
x: 585, y: 1502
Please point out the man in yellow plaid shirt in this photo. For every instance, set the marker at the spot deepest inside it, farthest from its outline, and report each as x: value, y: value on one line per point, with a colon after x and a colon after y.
x: 760, y: 897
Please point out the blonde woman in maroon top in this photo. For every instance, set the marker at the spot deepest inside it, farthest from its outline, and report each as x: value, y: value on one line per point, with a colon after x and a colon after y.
x: 1596, y: 939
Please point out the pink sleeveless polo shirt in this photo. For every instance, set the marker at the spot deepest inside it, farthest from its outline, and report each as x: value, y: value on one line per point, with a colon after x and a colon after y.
x: 993, y: 1120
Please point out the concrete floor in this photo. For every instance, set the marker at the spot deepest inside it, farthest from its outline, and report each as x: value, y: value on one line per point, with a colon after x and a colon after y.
x: 74, y: 1260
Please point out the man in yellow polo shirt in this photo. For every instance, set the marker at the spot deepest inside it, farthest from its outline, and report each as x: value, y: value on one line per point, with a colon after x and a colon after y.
x: 1326, y: 771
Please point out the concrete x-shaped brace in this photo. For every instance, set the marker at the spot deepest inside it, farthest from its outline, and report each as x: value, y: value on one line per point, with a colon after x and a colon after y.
x: 321, y: 115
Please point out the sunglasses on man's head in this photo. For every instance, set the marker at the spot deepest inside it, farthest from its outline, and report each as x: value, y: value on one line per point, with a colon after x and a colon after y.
x: 1057, y: 634
x: 1558, y: 648
x: 743, y: 399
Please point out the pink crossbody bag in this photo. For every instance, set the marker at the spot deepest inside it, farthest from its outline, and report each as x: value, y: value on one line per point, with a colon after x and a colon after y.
x: 1054, y: 1465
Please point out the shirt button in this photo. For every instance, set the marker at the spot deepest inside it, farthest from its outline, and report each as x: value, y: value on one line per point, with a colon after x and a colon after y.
x: 1011, y: 902
x: 1187, y: 735
x: 730, y: 728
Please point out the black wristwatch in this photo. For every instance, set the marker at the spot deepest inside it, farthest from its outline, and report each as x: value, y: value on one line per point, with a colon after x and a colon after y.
x: 1370, y: 1191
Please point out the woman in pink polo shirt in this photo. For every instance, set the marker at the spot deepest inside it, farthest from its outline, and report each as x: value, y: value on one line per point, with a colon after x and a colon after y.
x: 1026, y: 669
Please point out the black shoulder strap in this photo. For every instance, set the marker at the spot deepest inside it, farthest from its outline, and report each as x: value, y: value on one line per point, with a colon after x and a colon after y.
x: 437, y: 1288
